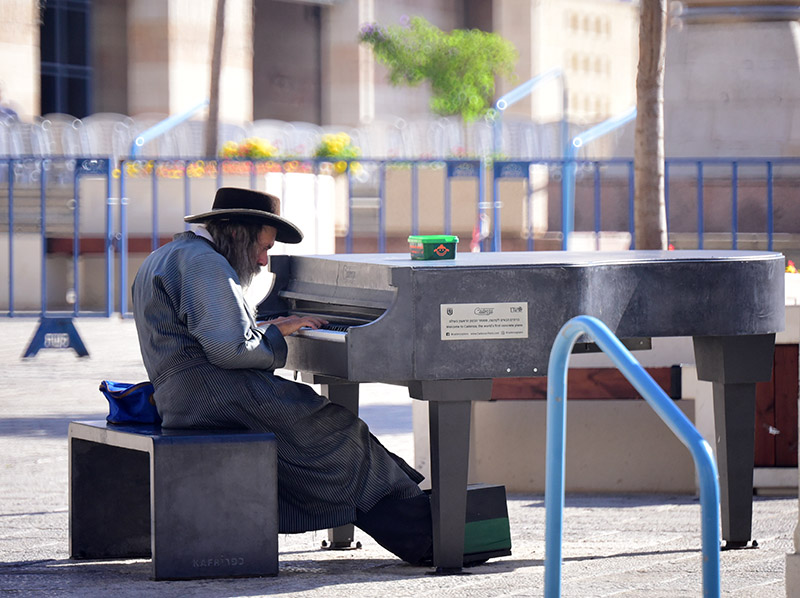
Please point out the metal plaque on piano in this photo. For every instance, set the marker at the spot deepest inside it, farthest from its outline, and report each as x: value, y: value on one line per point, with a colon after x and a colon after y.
x: 479, y: 321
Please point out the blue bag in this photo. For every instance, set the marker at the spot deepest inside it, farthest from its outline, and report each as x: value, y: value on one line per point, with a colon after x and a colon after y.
x: 130, y: 403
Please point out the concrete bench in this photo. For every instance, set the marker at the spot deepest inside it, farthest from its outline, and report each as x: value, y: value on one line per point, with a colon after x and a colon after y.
x: 200, y: 503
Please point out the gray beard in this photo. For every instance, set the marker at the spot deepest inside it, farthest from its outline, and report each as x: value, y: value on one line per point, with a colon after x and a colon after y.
x: 241, y: 255
x: 243, y: 263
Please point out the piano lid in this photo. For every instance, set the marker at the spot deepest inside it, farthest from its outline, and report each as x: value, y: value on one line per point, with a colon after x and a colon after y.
x: 528, y: 259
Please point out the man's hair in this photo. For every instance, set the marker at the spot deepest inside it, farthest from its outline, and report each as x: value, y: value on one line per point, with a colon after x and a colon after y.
x: 237, y: 240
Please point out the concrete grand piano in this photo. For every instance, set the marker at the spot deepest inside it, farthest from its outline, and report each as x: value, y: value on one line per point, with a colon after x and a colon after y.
x: 446, y: 328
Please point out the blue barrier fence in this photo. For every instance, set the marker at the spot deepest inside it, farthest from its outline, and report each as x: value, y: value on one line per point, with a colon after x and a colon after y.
x: 43, y: 225
x: 72, y: 217
x: 663, y: 406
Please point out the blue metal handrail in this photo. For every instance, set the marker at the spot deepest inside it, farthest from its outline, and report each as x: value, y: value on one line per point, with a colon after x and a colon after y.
x: 163, y: 126
x: 666, y: 410
x: 570, y: 154
x: 521, y: 91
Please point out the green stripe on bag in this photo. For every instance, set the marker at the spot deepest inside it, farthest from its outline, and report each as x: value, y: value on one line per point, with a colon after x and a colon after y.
x: 487, y: 535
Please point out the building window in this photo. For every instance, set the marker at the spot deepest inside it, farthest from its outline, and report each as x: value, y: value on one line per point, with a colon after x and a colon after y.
x: 66, y: 71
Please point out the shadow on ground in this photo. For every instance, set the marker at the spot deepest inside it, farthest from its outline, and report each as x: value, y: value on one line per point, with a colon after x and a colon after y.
x: 44, y: 426
x: 130, y: 577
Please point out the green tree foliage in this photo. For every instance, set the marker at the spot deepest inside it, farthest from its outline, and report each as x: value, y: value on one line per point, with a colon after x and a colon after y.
x: 460, y: 66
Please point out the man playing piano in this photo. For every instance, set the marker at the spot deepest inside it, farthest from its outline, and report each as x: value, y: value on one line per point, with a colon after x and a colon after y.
x: 212, y: 366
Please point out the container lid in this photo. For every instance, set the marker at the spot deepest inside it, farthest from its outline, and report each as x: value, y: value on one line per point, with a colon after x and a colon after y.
x: 432, y: 239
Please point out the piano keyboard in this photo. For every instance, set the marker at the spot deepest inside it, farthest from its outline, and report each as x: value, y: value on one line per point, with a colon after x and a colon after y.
x: 336, y: 333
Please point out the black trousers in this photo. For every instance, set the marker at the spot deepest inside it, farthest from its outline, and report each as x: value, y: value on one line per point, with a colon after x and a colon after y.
x: 403, y: 526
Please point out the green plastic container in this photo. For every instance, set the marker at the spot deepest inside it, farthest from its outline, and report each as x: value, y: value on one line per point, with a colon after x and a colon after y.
x: 432, y: 247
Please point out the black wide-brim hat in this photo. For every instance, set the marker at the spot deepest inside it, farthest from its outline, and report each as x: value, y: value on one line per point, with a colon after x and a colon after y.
x: 234, y: 203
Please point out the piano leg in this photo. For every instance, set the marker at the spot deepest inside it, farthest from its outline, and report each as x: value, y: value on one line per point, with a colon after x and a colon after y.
x: 449, y: 436
x: 346, y: 395
x: 449, y: 410
x: 733, y: 365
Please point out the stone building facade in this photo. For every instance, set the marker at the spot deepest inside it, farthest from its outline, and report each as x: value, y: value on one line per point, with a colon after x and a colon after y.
x: 19, y: 55
x: 732, y: 84
x: 296, y: 61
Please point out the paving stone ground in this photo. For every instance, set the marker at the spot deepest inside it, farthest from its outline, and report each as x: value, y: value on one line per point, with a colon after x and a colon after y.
x: 622, y: 546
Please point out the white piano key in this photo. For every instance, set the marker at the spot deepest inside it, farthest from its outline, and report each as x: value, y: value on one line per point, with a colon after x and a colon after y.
x: 334, y: 336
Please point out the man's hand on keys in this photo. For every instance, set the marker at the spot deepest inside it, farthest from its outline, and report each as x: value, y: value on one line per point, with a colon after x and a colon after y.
x: 291, y: 324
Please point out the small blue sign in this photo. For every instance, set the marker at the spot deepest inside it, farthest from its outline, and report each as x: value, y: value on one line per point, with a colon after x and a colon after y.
x: 467, y: 168
x: 92, y: 166
x: 56, y: 333
x: 511, y: 170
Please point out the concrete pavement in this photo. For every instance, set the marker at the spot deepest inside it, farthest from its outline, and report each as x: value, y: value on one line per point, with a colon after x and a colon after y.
x: 627, y: 546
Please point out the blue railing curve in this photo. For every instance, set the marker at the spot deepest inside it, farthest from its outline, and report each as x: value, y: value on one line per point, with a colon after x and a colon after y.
x: 570, y: 167
x: 666, y: 410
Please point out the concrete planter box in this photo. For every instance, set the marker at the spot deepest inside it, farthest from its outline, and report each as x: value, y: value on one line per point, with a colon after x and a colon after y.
x: 610, y: 446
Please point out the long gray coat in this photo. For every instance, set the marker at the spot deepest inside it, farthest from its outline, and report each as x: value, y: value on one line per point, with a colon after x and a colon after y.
x: 213, y: 367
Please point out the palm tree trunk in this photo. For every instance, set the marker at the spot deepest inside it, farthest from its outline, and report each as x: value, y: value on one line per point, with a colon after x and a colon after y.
x: 213, y: 97
x: 649, y: 209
